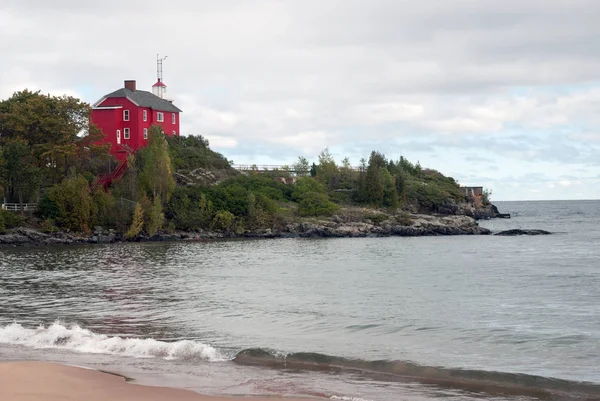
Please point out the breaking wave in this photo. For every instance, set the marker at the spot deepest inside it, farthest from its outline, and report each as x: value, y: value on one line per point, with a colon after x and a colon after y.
x: 77, y: 339
x: 464, y: 379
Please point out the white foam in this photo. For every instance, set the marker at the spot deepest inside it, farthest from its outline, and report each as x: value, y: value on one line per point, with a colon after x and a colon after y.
x: 344, y: 398
x: 77, y: 339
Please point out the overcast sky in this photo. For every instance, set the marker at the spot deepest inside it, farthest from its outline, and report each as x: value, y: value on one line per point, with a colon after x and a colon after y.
x: 504, y: 94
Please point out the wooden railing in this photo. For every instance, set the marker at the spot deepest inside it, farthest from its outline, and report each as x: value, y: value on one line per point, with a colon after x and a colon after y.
x: 18, y: 207
x: 272, y: 167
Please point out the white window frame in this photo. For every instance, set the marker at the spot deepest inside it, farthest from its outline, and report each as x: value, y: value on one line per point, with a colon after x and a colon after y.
x: 125, y: 115
x: 118, y: 136
x: 173, y: 118
x: 145, y: 133
x: 174, y: 133
x: 145, y: 114
x: 160, y: 117
x: 126, y: 133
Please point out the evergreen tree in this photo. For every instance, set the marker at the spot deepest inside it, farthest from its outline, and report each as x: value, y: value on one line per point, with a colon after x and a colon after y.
x: 374, y: 186
x: 327, y: 172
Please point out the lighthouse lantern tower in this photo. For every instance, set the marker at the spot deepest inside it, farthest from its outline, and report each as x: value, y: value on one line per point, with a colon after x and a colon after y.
x: 159, y: 88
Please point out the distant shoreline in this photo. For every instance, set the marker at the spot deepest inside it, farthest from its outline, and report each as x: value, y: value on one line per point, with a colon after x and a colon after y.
x: 380, y: 225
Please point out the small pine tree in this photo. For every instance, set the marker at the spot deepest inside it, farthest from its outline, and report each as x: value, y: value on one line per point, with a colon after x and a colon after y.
x: 138, y: 222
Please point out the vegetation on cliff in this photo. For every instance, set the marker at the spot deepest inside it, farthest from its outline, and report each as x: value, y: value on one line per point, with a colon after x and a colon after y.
x: 49, y: 155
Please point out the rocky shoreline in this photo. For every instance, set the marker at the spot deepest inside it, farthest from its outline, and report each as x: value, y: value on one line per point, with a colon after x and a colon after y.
x: 415, y: 225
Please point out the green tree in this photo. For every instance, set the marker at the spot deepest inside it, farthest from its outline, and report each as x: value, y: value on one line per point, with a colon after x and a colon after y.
x: 348, y: 176
x: 154, y: 216
x: 327, y: 171
x: 302, y: 167
x: 51, y: 127
x: 223, y: 221
x: 155, y: 176
x: 73, y: 202
x: 206, y: 210
x: 137, y: 222
x: 104, y: 206
x: 390, y: 193
x: 305, y: 185
x: 374, y: 185
x: 261, y: 210
x: 316, y: 204
x: 18, y: 171
x: 401, y: 187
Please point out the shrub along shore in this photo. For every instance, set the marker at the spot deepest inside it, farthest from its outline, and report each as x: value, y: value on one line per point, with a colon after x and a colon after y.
x: 178, y: 188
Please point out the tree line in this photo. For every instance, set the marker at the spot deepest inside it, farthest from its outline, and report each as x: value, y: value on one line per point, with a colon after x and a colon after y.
x: 49, y: 154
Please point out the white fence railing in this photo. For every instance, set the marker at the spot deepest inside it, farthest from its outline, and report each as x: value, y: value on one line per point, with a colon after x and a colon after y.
x: 18, y: 207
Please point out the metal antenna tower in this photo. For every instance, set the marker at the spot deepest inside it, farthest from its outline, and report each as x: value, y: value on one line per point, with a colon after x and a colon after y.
x: 159, y: 67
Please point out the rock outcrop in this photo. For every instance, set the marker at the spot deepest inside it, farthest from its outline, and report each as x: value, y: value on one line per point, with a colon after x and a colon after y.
x: 417, y: 225
x: 202, y: 176
x: 518, y: 231
x: 379, y: 225
x: 29, y: 236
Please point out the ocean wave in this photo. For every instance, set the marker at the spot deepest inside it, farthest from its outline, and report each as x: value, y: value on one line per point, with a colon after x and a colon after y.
x: 78, y: 339
x: 464, y: 379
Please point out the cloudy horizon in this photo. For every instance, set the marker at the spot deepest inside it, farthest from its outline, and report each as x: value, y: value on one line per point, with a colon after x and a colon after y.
x: 500, y: 94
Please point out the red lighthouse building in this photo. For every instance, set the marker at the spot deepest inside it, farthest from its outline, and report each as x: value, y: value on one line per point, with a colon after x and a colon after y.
x: 126, y: 115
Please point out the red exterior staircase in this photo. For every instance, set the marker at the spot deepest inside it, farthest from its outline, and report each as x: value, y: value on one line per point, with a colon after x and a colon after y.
x: 106, y: 180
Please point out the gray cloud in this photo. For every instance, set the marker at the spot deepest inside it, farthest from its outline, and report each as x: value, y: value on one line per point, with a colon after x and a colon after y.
x: 451, y: 83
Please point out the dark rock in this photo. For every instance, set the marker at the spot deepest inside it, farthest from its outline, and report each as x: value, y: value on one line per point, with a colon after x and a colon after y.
x: 420, y: 225
x: 165, y: 237
x: 518, y: 231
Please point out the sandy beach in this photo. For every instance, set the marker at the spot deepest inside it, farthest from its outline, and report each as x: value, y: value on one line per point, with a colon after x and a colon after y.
x: 35, y: 381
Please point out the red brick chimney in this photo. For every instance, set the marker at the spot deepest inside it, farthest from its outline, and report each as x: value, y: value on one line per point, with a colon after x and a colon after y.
x: 130, y: 84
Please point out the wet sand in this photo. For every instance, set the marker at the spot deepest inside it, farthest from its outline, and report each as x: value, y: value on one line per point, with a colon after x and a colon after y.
x: 36, y: 381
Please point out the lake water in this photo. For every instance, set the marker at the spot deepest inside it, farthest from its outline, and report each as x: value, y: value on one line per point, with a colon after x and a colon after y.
x: 459, y: 318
